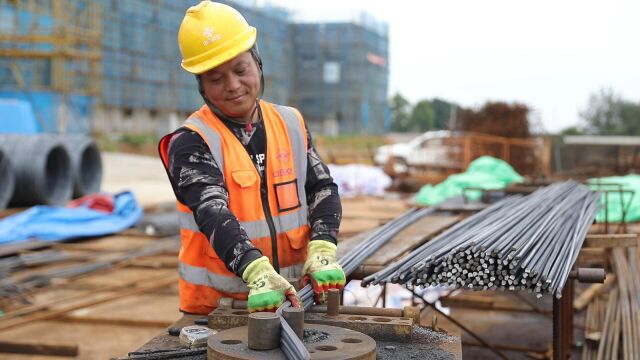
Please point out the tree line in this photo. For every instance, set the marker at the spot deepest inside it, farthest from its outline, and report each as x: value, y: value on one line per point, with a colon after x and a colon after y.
x: 497, y: 118
x: 606, y: 113
x: 426, y: 115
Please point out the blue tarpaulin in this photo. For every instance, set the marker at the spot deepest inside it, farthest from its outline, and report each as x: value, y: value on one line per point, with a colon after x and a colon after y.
x: 52, y: 223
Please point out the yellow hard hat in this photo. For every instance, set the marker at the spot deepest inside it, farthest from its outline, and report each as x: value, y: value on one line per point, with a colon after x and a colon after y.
x: 212, y: 34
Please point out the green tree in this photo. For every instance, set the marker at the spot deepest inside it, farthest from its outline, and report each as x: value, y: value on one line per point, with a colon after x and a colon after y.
x: 572, y: 130
x: 423, y: 116
x: 630, y: 115
x: 608, y: 114
x: 400, y: 113
x: 442, y: 110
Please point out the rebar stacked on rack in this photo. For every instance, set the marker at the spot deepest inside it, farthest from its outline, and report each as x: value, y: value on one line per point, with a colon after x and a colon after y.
x: 291, y: 345
x: 518, y: 243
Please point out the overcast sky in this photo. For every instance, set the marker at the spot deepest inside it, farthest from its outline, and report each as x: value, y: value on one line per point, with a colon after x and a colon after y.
x: 547, y: 54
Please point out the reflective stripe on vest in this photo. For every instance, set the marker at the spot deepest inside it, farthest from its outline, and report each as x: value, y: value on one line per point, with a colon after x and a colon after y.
x: 297, y: 144
x: 212, y: 139
x: 254, y: 229
x: 229, y: 284
x: 201, y: 276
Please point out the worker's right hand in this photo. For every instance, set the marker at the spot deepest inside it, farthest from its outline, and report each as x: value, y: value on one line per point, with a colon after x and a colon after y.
x: 267, y: 289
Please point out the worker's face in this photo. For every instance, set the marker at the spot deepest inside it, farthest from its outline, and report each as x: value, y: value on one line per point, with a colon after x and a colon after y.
x: 233, y: 87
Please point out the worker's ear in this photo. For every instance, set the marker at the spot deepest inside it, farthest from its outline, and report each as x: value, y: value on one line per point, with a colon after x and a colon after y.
x: 255, y: 53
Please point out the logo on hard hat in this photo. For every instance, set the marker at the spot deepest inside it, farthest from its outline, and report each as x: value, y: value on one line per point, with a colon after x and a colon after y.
x: 210, y: 36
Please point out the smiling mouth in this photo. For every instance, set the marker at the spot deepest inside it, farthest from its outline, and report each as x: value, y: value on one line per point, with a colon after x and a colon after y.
x: 236, y: 98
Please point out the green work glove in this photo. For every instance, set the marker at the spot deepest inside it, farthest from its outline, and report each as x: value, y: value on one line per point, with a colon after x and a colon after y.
x: 322, y: 269
x: 267, y: 289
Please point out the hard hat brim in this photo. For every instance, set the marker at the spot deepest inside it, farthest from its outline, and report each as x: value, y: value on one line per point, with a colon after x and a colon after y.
x: 206, y: 61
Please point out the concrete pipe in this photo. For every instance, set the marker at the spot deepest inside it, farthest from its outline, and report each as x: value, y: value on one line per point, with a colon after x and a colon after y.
x: 7, y: 180
x: 86, y: 164
x: 42, y: 168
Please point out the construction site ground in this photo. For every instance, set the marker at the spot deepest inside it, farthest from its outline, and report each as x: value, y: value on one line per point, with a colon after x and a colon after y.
x: 110, y: 312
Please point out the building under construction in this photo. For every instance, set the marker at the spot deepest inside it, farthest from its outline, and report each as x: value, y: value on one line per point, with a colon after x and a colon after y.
x: 113, y: 66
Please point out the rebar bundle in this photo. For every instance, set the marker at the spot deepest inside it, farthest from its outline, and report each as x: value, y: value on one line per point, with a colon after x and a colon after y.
x: 519, y: 243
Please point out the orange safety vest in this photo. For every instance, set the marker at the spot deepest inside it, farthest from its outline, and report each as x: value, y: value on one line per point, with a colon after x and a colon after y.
x: 204, y: 278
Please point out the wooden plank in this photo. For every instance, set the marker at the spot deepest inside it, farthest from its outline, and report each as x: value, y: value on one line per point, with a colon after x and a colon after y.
x: 592, y: 257
x: 39, y: 348
x: 112, y: 321
x: 11, y: 249
x: 611, y: 240
x: 58, y: 312
x: 412, y: 237
x: 46, y: 305
x: 471, y: 301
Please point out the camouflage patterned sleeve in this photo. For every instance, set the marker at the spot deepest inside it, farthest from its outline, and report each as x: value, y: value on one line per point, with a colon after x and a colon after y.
x: 325, y: 209
x: 198, y: 183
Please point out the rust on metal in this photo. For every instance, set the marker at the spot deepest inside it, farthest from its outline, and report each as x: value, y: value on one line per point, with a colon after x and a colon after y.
x: 333, y: 302
x: 359, y: 310
x: 412, y: 312
x: 263, y: 331
x: 380, y: 323
x: 378, y: 327
x: 225, y: 318
x: 589, y: 275
x: 295, y: 318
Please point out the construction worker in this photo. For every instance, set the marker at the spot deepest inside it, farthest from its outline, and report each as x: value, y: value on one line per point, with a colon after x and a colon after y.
x: 255, y: 201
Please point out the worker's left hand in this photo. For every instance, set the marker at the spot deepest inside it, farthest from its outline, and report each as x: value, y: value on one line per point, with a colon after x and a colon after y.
x: 322, y: 269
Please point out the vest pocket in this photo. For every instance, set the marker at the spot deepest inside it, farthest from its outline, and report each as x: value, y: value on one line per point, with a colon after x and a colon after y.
x: 244, y: 178
x: 287, y: 195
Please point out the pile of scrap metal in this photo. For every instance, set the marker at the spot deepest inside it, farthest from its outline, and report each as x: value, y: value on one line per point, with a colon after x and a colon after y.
x: 519, y: 243
x: 47, y: 169
x: 612, y: 319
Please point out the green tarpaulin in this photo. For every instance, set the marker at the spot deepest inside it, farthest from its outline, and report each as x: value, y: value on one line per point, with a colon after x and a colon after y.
x: 485, y: 172
x: 613, y: 203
